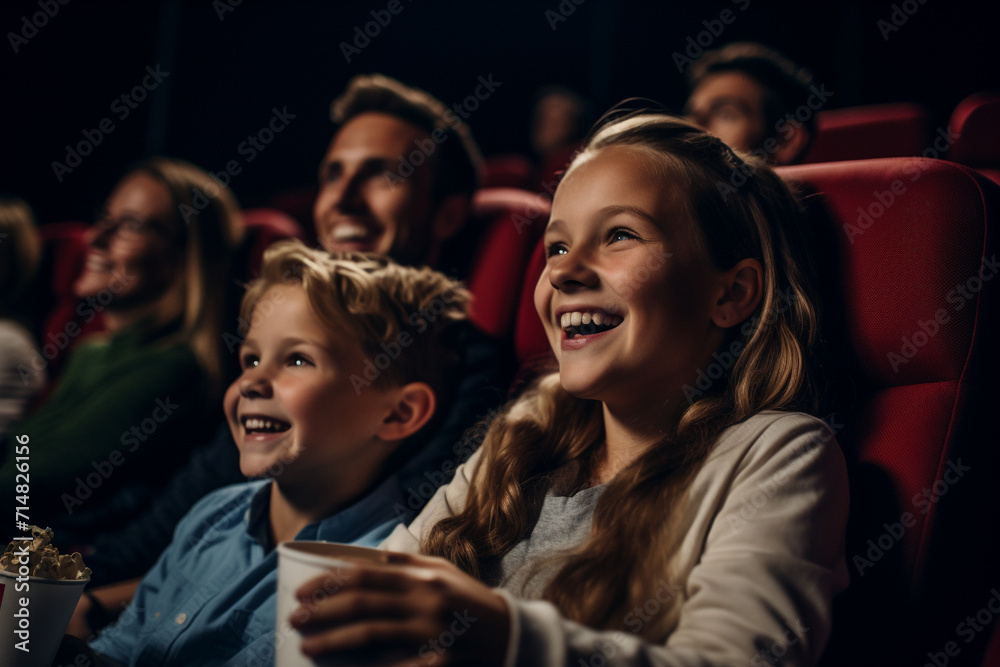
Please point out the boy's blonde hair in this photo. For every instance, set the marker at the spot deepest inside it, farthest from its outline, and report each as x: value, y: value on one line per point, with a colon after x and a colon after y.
x: 407, y: 320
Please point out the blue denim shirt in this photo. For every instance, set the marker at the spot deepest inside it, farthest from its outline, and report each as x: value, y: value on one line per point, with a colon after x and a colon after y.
x: 211, y: 597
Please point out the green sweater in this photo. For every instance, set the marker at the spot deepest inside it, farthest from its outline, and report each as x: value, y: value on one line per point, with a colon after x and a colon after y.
x: 107, y: 437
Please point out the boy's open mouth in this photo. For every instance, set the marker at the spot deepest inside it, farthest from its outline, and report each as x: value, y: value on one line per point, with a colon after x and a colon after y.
x: 587, y: 323
x: 259, y: 424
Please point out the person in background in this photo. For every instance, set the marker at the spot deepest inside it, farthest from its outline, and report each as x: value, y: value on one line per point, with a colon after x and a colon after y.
x: 559, y: 125
x: 326, y: 443
x: 157, y: 264
x: 559, y: 122
x: 752, y: 97
x: 398, y: 176
x: 20, y: 254
x: 603, y: 517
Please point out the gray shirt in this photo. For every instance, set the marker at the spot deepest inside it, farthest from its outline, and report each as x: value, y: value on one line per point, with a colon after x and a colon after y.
x: 762, y: 554
x: 563, y: 523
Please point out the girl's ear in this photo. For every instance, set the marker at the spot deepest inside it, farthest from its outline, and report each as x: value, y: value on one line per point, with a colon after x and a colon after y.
x: 413, y: 406
x: 743, y: 288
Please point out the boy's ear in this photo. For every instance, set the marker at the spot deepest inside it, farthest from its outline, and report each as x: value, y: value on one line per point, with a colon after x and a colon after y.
x: 743, y: 288
x: 413, y: 406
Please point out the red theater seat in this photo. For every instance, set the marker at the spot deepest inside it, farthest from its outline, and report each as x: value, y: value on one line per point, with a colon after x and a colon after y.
x: 297, y: 203
x: 917, y: 253
x: 531, y: 347
x: 858, y: 133
x: 507, y: 171
x: 975, y: 124
x: 909, y: 261
x: 551, y: 170
x: 262, y: 227
x: 512, y: 221
x: 992, y: 658
x: 63, y: 254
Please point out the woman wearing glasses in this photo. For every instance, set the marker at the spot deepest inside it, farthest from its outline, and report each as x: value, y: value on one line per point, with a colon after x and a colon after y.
x: 109, y: 435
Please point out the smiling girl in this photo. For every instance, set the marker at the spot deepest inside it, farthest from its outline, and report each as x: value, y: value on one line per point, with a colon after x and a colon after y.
x: 607, y: 519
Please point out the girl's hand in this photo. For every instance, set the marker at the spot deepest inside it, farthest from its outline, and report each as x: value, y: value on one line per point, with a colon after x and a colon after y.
x: 422, y: 609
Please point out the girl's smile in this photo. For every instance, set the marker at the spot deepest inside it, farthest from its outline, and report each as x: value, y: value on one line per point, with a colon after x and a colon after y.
x: 627, y: 292
x: 584, y: 325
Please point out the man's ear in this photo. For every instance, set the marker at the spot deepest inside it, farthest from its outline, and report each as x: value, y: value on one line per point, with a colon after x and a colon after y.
x: 412, y: 406
x: 450, y: 216
x: 742, y: 290
x: 792, y: 144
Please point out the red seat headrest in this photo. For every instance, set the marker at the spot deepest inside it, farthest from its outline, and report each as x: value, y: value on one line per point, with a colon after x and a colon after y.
x: 512, y: 220
x: 858, y: 133
x: 975, y: 124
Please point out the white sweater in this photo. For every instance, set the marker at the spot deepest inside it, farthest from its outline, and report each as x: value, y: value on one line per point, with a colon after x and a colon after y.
x: 759, y: 564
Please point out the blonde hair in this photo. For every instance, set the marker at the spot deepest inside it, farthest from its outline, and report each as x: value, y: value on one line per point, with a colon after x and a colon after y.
x: 615, y: 568
x: 212, y: 228
x: 20, y: 251
x: 411, y: 316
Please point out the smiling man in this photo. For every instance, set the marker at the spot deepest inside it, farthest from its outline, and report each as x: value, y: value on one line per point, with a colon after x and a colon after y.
x: 399, y: 174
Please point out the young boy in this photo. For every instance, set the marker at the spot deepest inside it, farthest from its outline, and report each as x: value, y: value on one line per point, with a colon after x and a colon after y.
x: 344, y: 364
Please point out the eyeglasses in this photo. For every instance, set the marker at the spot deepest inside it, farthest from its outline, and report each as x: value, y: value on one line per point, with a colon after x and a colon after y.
x: 130, y: 227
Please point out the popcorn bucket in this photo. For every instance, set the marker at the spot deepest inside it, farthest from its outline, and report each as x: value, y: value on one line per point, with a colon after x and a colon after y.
x: 32, y: 632
x: 298, y: 562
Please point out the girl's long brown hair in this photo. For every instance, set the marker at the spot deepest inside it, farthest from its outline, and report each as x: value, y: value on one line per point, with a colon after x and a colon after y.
x: 743, y: 211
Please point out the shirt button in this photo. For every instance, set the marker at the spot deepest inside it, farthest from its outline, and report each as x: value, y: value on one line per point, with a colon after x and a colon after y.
x: 156, y: 615
x: 181, y: 618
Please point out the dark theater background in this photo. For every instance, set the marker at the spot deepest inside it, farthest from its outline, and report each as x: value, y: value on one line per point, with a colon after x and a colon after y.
x: 225, y: 67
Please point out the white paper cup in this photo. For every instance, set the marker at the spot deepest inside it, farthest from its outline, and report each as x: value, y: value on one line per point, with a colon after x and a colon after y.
x: 49, y: 610
x: 298, y: 562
